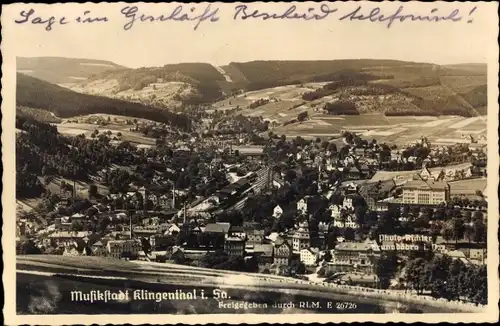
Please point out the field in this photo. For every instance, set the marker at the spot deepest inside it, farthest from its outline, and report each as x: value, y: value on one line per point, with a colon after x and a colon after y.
x: 468, y: 186
x: 286, y: 103
x: 115, y: 126
x: 398, y: 130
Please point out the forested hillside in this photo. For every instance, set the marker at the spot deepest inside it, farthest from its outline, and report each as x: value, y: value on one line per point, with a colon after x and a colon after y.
x: 38, y: 94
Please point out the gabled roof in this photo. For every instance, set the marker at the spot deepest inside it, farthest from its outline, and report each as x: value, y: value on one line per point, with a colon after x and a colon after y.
x: 234, y: 228
x: 353, y: 246
x: 217, y: 228
x: 429, y: 184
x: 265, y: 249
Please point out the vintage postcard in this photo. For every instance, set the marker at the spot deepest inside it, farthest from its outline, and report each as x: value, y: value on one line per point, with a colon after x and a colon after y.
x: 250, y: 162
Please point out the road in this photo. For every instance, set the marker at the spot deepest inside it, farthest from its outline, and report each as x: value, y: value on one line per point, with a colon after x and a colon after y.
x: 181, y: 275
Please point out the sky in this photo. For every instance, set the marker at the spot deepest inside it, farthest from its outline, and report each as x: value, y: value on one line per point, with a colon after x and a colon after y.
x: 228, y: 40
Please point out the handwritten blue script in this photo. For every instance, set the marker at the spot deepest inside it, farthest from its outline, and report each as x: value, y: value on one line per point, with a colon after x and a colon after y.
x: 247, y: 12
x: 243, y: 12
x: 377, y: 15
x: 133, y: 15
x: 29, y: 16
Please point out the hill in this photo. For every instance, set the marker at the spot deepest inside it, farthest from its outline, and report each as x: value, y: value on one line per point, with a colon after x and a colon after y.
x: 373, y: 86
x: 390, y: 87
x: 167, y: 86
x: 38, y: 94
x: 58, y: 70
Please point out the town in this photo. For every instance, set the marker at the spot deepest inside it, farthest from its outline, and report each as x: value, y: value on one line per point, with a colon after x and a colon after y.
x: 344, y: 210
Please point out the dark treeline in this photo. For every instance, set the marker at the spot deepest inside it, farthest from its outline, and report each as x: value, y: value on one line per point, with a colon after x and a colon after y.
x: 342, y: 108
x: 346, y: 75
x: 452, y: 105
x: 331, y: 88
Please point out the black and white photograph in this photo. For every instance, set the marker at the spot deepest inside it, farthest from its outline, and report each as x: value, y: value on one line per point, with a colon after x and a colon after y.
x: 277, y: 159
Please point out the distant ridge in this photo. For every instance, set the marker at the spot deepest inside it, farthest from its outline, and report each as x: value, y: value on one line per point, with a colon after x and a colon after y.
x: 59, y: 70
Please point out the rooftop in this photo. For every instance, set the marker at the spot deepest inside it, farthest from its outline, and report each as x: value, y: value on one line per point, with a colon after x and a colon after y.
x: 426, y: 185
x: 353, y: 246
x: 217, y: 228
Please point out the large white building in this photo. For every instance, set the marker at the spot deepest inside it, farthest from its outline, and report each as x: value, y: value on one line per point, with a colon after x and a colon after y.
x: 426, y: 192
x: 302, y: 206
x: 118, y: 248
x: 308, y: 256
x: 301, y: 238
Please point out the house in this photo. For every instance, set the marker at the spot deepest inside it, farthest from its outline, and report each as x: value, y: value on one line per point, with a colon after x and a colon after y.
x: 255, y: 237
x: 301, y: 238
x: 359, y: 152
x: 365, y: 171
x: 354, y: 173
x: 345, y: 220
x: 72, y: 250
x: 237, y: 231
x: 335, y: 210
x: 215, y: 235
x: 172, y: 229
x: 347, y: 203
x: 425, y: 174
x: 123, y: 248
x: 177, y: 254
x: 477, y: 256
x: 99, y: 248
x: 153, y: 198
x: 165, y: 201
x: 66, y: 238
x: 354, y: 256
x: 277, y: 212
x: 302, y: 206
x: 425, y: 192
x: 77, y: 248
x: 217, y: 228
x: 264, y: 253
x: 282, y: 254
x: 234, y: 246
x: 77, y: 217
x: 375, y: 191
x: 308, y: 256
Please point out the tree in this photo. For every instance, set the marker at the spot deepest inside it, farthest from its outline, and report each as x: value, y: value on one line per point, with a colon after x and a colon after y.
x: 479, y: 229
x: 93, y: 191
x: 458, y: 229
x: 297, y: 266
x: 302, y: 116
x: 360, y: 212
x: 102, y: 224
x: 76, y: 226
x: 146, y: 245
x: 29, y: 248
x: 447, y: 232
x: 331, y: 240
x: 415, y: 275
x: 386, y: 267
x: 349, y: 234
x: 328, y: 256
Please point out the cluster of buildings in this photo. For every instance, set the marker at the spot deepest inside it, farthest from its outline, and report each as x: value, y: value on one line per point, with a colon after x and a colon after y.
x: 174, y: 235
